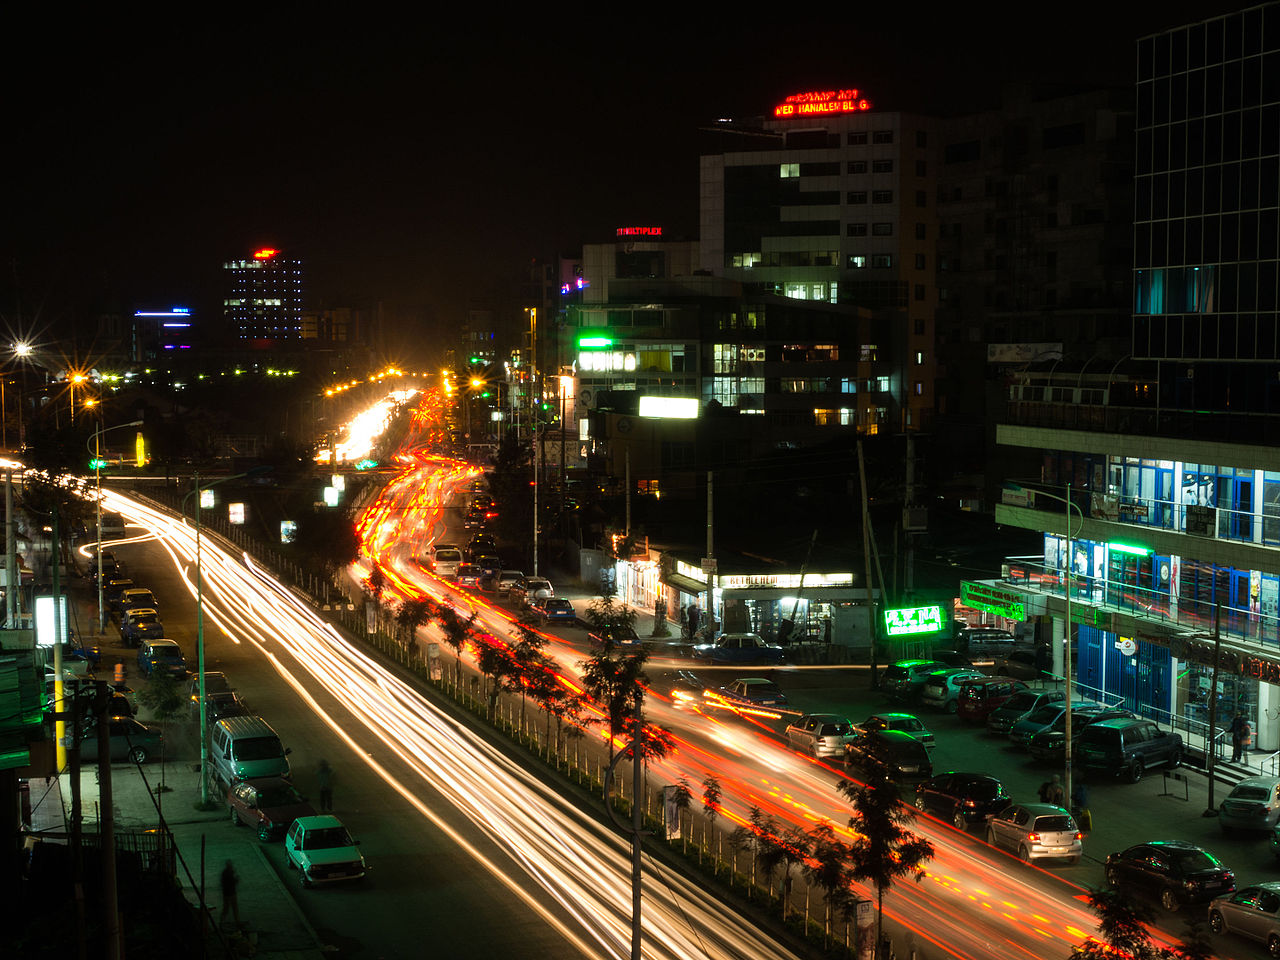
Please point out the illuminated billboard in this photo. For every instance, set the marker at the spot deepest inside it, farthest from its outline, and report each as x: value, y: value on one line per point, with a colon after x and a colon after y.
x: 910, y: 621
x: 674, y: 408
x: 818, y: 103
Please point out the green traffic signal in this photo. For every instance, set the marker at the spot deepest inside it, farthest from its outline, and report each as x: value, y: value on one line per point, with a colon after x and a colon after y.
x: 97, y: 463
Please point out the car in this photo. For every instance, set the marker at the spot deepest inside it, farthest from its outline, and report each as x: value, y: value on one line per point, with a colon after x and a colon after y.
x: 112, y: 591
x: 615, y: 635
x: 437, y: 547
x: 1018, y: 706
x: 1178, y: 873
x: 1043, y: 718
x: 1253, y: 804
x: 905, y: 757
x: 138, y: 597
x: 980, y: 697
x: 504, y: 580
x: 903, y: 680
x: 950, y: 658
x: 322, y: 851
x: 686, y: 689
x: 820, y: 734
x: 962, y: 798
x: 985, y: 643
x: 1023, y: 665
x: 904, y: 722
x: 164, y: 655
x: 1252, y: 912
x: 80, y: 648
x: 489, y: 564
x: 215, y: 681
x: 738, y: 648
x: 269, y: 805
x: 1127, y: 748
x: 1036, y: 831
x: 1050, y: 743
x: 130, y: 740
x: 468, y: 575
x: 941, y: 689
x: 140, y: 623
x: 223, y: 704
x: 529, y: 590
x: 474, y: 520
x: 556, y: 608
x: 753, y: 692
x: 479, y: 545
x: 445, y: 561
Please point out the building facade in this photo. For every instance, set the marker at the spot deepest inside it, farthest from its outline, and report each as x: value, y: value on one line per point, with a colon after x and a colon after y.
x: 263, y: 303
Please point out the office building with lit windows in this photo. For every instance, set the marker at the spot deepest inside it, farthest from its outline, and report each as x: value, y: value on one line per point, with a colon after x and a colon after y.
x: 263, y: 301
x: 1157, y: 479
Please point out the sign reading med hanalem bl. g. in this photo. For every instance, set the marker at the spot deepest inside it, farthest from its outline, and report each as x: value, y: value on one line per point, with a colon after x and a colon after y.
x: 818, y: 102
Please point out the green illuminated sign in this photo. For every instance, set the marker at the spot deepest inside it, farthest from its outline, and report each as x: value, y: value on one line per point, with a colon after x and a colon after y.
x: 588, y: 342
x: 366, y: 464
x: 912, y: 620
x: 1130, y: 549
x: 989, y: 599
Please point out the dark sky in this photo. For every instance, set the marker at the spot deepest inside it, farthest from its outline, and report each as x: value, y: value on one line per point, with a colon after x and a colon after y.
x: 425, y: 163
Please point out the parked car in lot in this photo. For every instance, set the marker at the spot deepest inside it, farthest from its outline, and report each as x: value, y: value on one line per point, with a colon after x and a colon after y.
x: 903, y: 680
x: 322, y: 851
x: 269, y: 805
x: 165, y: 655
x: 1036, y: 831
x: 555, y: 610
x: 1253, y: 804
x: 1174, y: 871
x: 1252, y: 912
x: 1023, y: 665
x: 130, y: 740
x: 1050, y: 743
x: 905, y: 757
x: 962, y: 798
x: 738, y: 648
x: 942, y: 688
x: 531, y: 589
x: 1128, y: 748
x: 1018, y: 706
x: 903, y: 722
x: 1043, y: 718
x: 981, y: 696
x: 820, y: 734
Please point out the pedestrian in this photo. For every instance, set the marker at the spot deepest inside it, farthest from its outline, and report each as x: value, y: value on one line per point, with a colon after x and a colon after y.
x: 1055, y: 794
x: 1241, y: 737
x: 1044, y: 791
x: 694, y: 616
x: 324, y: 780
x: 1080, y: 807
x: 229, y: 883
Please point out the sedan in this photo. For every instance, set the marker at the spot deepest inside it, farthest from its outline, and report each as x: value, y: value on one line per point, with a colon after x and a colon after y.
x: 1253, y: 804
x: 130, y: 740
x: 738, y: 648
x: 962, y: 798
x: 1253, y: 912
x: 905, y: 722
x: 821, y: 734
x: 1176, y: 872
x: 558, y: 609
x: 268, y: 805
x: 1036, y: 830
x: 468, y: 575
x: 321, y: 850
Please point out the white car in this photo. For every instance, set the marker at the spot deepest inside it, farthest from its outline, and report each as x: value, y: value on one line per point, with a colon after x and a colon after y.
x: 942, y: 688
x: 1036, y: 830
x: 322, y: 851
x: 530, y: 590
x: 506, y: 579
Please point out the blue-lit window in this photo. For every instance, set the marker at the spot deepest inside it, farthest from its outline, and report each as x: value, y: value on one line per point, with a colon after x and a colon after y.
x: 1174, y: 290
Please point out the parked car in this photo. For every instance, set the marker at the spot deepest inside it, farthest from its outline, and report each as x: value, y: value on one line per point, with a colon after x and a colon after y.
x: 1128, y: 747
x: 950, y: 658
x: 738, y: 648
x: 269, y: 805
x: 962, y: 798
x: 225, y: 703
x: 489, y: 564
x: 138, y: 597
x: 505, y: 579
x: 530, y: 590
x: 479, y: 545
x: 322, y: 851
x: 1252, y: 912
x: 1043, y: 718
x: 615, y: 635
x: 903, y: 680
x: 1253, y: 804
x: 1023, y: 665
x: 903, y: 722
x: 140, y: 623
x: 468, y: 575
x: 1018, y: 706
x: 215, y: 681
x: 820, y: 734
x: 112, y: 591
x: 556, y: 609
x: 985, y: 643
x: 981, y: 696
x: 161, y: 655
x: 1036, y: 831
x: 130, y: 740
x: 1174, y: 871
x: 905, y: 757
x: 1050, y: 744
x: 942, y: 688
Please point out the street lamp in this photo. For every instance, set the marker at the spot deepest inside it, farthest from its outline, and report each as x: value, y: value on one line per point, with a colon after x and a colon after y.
x: 97, y: 480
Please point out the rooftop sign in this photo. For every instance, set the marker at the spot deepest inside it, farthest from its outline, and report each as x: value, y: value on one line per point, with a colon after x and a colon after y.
x: 821, y: 102
x: 264, y: 254
x: 639, y: 231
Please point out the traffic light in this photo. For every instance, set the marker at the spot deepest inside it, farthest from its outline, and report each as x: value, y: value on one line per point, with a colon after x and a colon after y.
x: 97, y: 463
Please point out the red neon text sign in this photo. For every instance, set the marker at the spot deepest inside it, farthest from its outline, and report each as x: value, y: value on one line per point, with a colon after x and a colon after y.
x: 639, y: 231
x: 819, y: 102
x: 266, y: 254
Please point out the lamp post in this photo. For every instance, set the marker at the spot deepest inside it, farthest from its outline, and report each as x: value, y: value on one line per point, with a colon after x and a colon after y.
x: 97, y: 482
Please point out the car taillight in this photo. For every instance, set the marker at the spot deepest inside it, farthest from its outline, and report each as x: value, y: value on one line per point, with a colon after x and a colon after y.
x: 1079, y: 836
x: 970, y: 803
x: 1190, y: 884
x: 1033, y: 837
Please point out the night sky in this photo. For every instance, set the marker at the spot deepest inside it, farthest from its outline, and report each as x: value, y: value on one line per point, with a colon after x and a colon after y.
x: 419, y: 163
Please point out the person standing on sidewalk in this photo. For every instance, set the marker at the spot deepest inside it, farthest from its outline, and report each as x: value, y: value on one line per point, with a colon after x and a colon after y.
x: 324, y: 780
x: 229, y: 902
x: 1241, y: 737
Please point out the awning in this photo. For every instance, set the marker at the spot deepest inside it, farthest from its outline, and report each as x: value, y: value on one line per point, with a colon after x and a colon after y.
x: 683, y: 584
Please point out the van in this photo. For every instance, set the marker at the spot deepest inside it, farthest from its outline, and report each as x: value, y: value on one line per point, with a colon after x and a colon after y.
x: 445, y: 563
x: 985, y: 643
x: 245, y: 748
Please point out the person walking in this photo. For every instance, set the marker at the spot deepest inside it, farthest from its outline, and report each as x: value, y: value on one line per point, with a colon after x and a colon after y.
x: 694, y: 616
x: 1055, y: 794
x: 229, y: 883
x: 1241, y: 737
x: 324, y: 780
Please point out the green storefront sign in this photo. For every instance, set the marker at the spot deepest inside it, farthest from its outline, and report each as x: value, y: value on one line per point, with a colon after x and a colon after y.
x: 989, y: 599
x: 909, y: 621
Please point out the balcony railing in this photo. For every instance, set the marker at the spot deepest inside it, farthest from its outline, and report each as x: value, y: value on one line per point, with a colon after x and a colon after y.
x: 1248, y: 428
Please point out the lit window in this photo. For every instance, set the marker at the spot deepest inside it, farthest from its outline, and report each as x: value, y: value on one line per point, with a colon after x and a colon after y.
x: 857, y: 262
x: 848, y: 385
x: 919, y: 357
x: 789, y: 170
x: 918, y: 387
x: 847, y: 417
x: 882, y: 384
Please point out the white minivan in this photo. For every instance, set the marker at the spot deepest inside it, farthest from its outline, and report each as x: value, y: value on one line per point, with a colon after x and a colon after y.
x: 445, y: 561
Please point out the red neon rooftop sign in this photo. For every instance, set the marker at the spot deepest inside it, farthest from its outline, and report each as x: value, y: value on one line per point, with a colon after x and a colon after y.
x: 639, y: 231
x: 821, y: 102
x: 265, y: 254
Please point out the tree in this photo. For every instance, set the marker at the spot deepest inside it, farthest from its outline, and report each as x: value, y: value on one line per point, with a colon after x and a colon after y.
x: 328, y: 537
x: 496, y: 666
x: 164, y: 698
x: 608, y: 619
x: 683, y: 798
x: 527, y: 655
x: 883, y: 850
x: 827, y: 865
x: 616, y: 683
x: 793, y: 846
x: 759, y: 836
x: 457, y: 632
x: 376, y: 583
x: 711, y: 794
x: 1122, y: 923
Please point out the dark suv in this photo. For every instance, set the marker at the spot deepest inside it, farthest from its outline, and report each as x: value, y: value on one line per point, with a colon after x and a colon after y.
x: 1128, y: 747
x: 962, y: 798
x: 1051, y: 743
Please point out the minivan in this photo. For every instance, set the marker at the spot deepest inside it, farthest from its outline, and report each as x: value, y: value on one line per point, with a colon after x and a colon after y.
x: 982, y: 696
x: 985, y: 643
x: 245, y: 748
x: 445, y: 562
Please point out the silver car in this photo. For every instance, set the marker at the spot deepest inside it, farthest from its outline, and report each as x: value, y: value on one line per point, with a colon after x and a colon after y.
x: 1253, y: 804
x: 821, y: 734
x: 1250, y: 912
x: 942, y: 688
x: 1035, y: 831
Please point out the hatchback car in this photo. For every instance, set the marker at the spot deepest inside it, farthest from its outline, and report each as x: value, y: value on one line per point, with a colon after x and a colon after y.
x: 962, y: 798
x: 1036, y: 831
x: 903, y: 722
x: 1018, y: 706
x: 903, y: 680
x: 268, y: 805
x: 820, y: 734
x: 982, y: 696
x: 322, y: 851
x: 1176, y: 872
x: 738, y: 648
x: 905, y: 757
x: 1253, y: 804
x: 941, y: 689
x: 555, y: 610
x: 1252, y: 912
x: 130, y: 740
x: 165, y: 655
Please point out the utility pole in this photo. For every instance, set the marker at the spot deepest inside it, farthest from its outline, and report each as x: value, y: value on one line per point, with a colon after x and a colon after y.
x: 866, y: 565
x: 13, y: 576
x: 107, y: 828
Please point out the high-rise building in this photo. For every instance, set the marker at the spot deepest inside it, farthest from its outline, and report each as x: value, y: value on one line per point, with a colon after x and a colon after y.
x: 263, y: 302
x: 1159, y: 486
